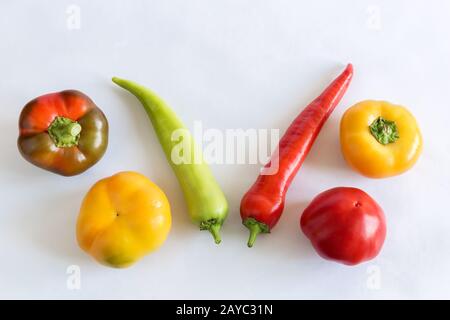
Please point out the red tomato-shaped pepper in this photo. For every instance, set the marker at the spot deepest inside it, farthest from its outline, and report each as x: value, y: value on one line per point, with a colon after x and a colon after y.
x: 344, y: 225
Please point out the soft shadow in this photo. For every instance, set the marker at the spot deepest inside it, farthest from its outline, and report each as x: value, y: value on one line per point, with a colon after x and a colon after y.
x: 52, y: 227
x: 326, y: 151
x: 288, y: 238
x: 286, y: 241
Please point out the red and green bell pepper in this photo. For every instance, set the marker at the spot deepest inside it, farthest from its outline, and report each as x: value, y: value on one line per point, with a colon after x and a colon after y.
x: 63, y: 132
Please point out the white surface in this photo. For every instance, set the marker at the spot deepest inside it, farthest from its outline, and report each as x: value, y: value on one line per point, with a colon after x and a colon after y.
x: 231, y: 64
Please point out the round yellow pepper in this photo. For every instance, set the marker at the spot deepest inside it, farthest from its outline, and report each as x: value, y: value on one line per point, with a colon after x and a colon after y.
x: 122, y: 218
x: 380, y: 139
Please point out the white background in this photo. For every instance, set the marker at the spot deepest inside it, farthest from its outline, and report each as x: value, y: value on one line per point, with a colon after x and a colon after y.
x: 231, y: 64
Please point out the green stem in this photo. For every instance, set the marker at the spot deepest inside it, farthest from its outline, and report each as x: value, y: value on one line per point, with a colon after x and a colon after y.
x: 212, y: 226
x: 384, y: 131
x: 254, y: 231
x: 64, y: 132
x: 214, y: 229
x: 255, y: 228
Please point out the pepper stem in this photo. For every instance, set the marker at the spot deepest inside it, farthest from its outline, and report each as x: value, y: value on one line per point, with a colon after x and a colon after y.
x: 64, y: 132
x: 255, y: 228
x: 213, y: 226
x: 384, y: 131
x: 254, y: 231
x: 214, y: 229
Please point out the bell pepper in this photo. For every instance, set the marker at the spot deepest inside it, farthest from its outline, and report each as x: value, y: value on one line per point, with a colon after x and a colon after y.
x: 64, y: 132
x: 380, y: 139
x: 122, y: 218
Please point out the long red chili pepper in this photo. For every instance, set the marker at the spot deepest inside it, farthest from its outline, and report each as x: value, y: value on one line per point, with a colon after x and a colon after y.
x: 262, y: 205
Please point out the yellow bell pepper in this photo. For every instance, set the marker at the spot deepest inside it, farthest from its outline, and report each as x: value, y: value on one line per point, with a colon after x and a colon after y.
x: 122, y: 218
x: 380, y: 139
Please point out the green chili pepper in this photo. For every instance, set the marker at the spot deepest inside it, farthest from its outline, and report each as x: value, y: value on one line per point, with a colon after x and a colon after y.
x: 207, y: 205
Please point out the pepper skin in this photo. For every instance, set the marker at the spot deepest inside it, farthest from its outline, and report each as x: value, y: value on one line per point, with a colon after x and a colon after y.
x: 344, y: 225
x: 380, y: 139
x: 263, y: 204
x: 207, y: 205
x: 64, y: 132
x: 122, y: 218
